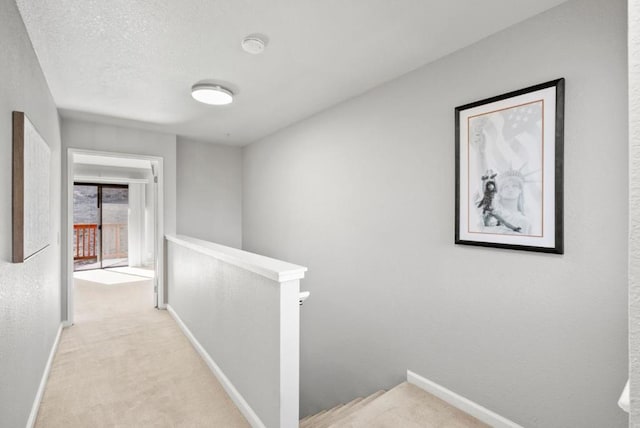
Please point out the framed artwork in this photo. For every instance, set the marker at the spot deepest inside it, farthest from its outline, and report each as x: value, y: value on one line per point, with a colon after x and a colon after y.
x: 30, y: 189
x: 509, y: 170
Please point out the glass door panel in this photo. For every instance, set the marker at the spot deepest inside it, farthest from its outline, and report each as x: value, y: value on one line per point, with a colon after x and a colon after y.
x: 86, y: 231
x: 115, y: 230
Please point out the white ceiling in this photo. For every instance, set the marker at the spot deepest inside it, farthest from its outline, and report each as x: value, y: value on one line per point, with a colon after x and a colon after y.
x: 130, y: 60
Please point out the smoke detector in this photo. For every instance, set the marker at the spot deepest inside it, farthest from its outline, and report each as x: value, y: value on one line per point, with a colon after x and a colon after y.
x: 254, y: 44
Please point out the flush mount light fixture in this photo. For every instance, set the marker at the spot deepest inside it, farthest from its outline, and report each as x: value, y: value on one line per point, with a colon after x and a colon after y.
x: 212, y: 94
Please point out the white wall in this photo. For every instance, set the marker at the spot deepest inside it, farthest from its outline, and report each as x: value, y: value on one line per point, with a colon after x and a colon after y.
x: 30, y: 291
x: 149, y: 231
x: 79, y: 134
x: 363, y: 194
x: 210, y: 192
x: 136, y: 228
x: 634, y: 210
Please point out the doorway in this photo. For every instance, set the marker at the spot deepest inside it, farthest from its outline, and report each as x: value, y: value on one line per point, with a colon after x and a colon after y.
x: 142, y: 177
x: 100, y: 226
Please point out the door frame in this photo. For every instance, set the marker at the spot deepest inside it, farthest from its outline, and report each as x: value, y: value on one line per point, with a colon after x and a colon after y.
x: 159, y: 256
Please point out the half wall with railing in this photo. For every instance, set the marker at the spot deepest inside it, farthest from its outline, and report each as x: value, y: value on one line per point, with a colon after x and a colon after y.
x: 241, y: 312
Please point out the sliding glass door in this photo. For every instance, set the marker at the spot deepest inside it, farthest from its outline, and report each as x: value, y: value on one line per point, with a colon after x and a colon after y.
x: 100, y: 225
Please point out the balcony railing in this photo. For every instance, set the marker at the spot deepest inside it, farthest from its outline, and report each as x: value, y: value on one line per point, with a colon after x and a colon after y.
x: 114, y: 240
x: 86, y: 241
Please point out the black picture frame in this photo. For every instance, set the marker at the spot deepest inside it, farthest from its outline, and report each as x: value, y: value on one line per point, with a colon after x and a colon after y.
x: 509, y: 154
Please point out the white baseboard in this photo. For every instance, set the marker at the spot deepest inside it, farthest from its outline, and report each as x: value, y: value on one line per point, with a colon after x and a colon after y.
x: 43, y: 381
x: 464, y: 404
x: 239, y: 401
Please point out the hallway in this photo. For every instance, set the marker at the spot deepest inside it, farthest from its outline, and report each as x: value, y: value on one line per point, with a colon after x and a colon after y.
x: 127, y: 364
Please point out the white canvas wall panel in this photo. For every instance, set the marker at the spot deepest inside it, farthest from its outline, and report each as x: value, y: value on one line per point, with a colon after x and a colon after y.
x: 37, y: 157
x: 30, y: 189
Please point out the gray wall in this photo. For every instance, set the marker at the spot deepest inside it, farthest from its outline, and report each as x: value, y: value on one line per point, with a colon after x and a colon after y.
x: 634, y: 211
x: 210, y: 192
x: 30, y: 291
x: 84, y: 135
x: 363, y: 194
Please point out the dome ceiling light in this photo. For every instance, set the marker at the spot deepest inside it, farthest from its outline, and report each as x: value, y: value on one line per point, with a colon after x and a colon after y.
x: 209, y: 93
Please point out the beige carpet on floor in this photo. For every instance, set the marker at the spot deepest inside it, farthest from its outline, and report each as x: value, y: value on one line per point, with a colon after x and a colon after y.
x: 107, y: 277
x: 137, y: 271
x: 126, y: 364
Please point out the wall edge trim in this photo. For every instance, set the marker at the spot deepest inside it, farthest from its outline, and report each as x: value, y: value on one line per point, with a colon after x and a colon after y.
x: 43, y: 381
x: 460, y: 402
x: 235, y: 396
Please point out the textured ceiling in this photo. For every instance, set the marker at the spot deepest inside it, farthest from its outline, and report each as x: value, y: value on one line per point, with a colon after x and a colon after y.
x: 136, y: 61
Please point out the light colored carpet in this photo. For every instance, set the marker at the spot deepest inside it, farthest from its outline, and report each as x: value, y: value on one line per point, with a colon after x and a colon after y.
x: 126, y: 364
x: 138, y: 271
x: 107, y: 277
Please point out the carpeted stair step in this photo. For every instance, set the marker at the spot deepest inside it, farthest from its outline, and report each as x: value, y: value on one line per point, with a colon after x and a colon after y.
x: 336, y: 415
x: 408, y: 406
x: 347, y: 410
x: 315, y: 422
x: 326, y: 418
x: 305, y: 419
x: 306, y: 422
x: 311, y: 421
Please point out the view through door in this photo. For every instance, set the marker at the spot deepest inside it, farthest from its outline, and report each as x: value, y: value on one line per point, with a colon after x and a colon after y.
x: 100, y: 226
